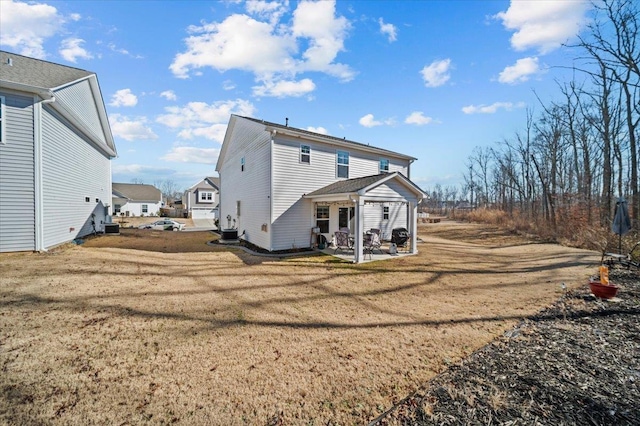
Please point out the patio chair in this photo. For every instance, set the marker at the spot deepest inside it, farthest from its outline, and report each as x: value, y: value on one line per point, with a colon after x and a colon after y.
x: 373, y: 242
x: 343, y: 242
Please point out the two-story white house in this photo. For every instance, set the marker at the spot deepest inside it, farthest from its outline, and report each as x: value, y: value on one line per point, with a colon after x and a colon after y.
x: 201, y: 200
x: 56, y: 148
x: 278, y: 183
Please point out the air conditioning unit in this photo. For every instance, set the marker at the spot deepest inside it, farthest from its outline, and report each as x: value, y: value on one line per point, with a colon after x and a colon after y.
x: 112, y: 228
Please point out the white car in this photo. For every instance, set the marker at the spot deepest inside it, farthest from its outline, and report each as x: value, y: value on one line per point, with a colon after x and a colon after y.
x: 164, y: 225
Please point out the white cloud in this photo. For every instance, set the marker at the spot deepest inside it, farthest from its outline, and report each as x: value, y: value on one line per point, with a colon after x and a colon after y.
x: 320, y: 130
x: 71, y: 50
x: 369, y: 121
x: 271, y: 10
x: 124, y: 97
x: 131, y: 129
x: 265, y: 46
x: 228, y: 85
x: 26, y: 26
x: 493, y: 108
x: 389, y: 30
x: 520, y: 71
x: 215, y: 132
x: 418, y: 118
x: 190, y: 154
x: 169, y: 95
x: 437, y: 73
x: 202, y: 119
x: 544, y: 25
x: 281, y: 89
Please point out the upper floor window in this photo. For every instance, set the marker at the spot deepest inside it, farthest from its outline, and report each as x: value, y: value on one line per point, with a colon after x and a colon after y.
x: 384, y: 165
x: 342, y: 163
x: 305, y: 154
x: 3, y: 124
x: 385, y: 213
x: 205, y: 196
x: 242, y: 164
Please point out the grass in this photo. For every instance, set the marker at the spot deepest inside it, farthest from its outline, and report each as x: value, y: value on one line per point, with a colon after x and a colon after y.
x: 150, y: 328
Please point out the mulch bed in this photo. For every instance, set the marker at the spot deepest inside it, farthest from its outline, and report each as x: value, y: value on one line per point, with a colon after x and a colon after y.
x: 575, y: 363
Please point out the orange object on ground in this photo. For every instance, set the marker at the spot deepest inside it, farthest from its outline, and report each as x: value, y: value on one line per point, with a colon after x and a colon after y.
x: 604, y: 275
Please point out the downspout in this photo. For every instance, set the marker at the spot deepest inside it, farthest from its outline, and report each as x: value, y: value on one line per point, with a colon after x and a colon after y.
x: 47, y: 98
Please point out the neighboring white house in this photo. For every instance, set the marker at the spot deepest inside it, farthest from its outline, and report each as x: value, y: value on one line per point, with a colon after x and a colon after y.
x: 201, y: 200
x: 132, y: 199
x: 278, y: 183
x: 55, y: 152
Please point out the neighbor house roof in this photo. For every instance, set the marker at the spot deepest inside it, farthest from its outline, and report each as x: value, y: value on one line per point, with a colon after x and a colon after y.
x: 137, y: 192
x: 327, y: 138
x: 209, y: 180
x: 45, y: 79
x: 363, y: 184
x: 36, y: 72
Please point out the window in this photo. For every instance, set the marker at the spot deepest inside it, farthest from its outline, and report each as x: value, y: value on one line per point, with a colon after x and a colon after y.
x: 322, y: 219
x: 2, y: 121
x: 385, y: 213
x: 305, y: 154
x: 384, y: 165
x: 116, y: 208
x: 145, y: 208
x: 205, y: 196
x: 242, y: 164
x: 342, y: 160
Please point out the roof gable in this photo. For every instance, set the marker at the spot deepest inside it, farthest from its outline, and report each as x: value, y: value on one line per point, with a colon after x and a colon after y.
x: 365, y: 184
x: 48, y: 80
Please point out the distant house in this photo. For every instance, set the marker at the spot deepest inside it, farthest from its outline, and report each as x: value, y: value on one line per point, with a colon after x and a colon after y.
x: 201, y: 200
x: 132, y: 199
x: 55, y: 152
x: 279, y: 184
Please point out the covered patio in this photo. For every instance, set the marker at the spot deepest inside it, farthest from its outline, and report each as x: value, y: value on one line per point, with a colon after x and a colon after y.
x: 364, y: 198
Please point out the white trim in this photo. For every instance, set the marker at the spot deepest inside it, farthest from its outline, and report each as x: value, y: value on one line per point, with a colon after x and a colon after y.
x: 3, y: 121
x: 37, y: 175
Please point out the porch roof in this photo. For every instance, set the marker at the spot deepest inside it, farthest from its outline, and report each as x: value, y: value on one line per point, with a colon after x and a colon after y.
x: 360, y: 186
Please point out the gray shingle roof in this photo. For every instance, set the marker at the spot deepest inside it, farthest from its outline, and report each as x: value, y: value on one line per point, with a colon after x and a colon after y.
x: 348, y: 186
x: 327, y: 137
x: 214, y: 180
x: 137, y: 192
x: 36, y: 72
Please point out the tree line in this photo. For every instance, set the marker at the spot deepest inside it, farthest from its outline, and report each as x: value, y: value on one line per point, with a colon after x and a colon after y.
x: 576, y: 155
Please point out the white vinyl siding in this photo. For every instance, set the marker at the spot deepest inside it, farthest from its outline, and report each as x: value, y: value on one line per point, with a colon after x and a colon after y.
x: 293, y: 216
x: 79, y: 100
x: 2, y: 121
x: 72, y: 170
x: 17, y: 175
x: 251, y: 187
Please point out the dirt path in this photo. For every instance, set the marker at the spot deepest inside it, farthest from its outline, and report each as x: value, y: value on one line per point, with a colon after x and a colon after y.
x: 160, y: 327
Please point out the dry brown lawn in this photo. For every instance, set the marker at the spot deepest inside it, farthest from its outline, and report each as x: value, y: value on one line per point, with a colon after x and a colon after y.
x: 158, y: 327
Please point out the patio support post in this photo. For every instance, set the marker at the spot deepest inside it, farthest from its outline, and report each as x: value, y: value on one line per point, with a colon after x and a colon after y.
x: 359, y: 231
x: 413, y: 224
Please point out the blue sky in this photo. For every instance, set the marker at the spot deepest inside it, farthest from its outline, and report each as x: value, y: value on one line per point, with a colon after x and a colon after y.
x: 431, y: 79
